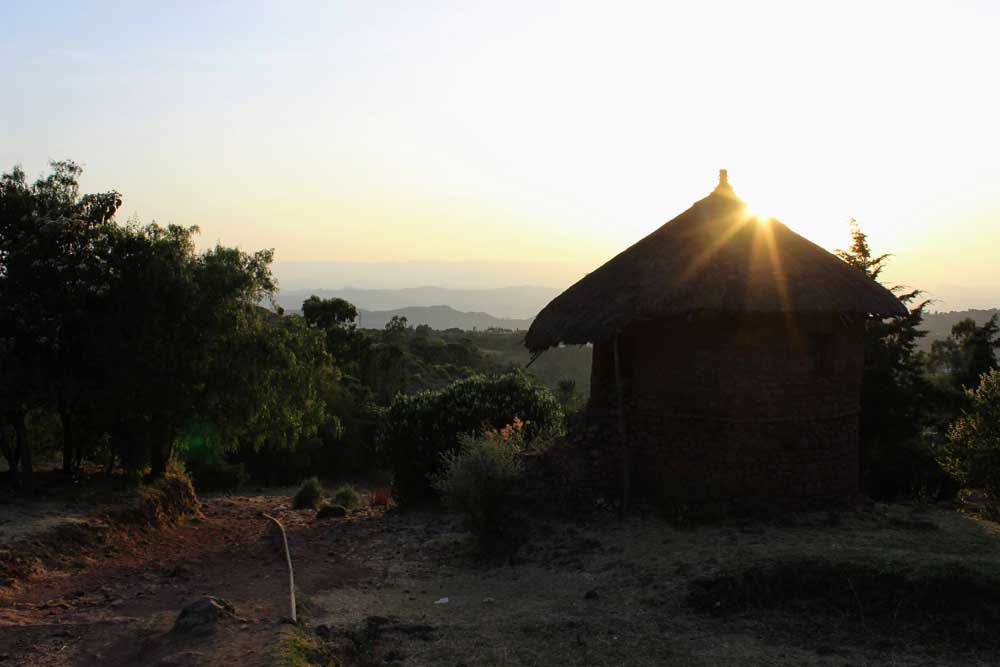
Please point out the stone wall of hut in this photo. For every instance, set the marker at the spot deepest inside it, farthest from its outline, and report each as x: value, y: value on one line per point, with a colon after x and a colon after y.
x: 743, y: 410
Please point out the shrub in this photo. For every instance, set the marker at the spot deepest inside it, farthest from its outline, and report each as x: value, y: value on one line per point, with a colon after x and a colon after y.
x: 347, y: 495
x: 972, y: 451
x: 475, y: 478
x: 309, y: 495
x: 164, y: 501
x: 419, y: 428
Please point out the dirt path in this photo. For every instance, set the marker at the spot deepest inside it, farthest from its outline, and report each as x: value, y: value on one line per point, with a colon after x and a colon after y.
x: 120, y: 609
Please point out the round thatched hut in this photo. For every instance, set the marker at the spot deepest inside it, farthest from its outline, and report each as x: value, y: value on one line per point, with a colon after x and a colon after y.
x: 734, y: 347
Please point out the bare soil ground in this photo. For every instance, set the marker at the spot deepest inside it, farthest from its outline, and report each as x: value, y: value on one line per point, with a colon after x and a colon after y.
x: 614, y: 593
x: 116, y: 605
x: 407, y: 588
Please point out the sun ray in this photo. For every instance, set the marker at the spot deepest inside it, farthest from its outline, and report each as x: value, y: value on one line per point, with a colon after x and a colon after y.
x: 738, y: 221
x: 767, y: 261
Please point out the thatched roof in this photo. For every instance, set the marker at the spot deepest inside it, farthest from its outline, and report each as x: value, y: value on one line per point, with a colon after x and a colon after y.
x: 713, y: 257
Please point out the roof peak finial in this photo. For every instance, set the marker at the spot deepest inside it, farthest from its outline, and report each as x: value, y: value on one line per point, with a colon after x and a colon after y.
x: 724, y: 188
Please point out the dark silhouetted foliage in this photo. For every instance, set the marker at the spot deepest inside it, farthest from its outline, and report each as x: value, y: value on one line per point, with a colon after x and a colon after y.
x: 896, y: 397
x: 309, y: 495
x: 419, y: 428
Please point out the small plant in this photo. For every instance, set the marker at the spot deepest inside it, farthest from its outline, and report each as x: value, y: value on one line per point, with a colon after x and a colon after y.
x: 347, y: 495
x: 309, y: 495
x: 474, y: 479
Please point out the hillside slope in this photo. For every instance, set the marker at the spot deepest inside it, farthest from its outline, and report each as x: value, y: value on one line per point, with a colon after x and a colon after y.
x: 440, y: 318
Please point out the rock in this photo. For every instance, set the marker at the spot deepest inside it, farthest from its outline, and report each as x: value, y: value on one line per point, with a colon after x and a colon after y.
x: 331, y: 512
x: 202, y: 615
x: 590, y: 595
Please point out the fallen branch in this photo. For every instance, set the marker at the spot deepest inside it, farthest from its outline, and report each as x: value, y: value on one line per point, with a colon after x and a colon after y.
x: 288, y: 559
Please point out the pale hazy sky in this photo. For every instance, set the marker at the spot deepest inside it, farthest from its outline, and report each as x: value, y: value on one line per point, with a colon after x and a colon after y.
x: 549, y: 135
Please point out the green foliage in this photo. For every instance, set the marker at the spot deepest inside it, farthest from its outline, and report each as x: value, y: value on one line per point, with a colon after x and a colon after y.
x: 419, y: 427
x: 54, y: 247
x: 347, y: 495
x: 131, y: 341
x: 475, y: 478
x: 309, y: 495
x: 972, y: 451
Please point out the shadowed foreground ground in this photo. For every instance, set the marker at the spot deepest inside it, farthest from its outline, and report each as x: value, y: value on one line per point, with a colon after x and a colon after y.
x: 372, y: 587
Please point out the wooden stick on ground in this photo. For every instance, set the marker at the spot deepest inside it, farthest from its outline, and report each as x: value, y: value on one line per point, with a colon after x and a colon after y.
x: 288, y: 559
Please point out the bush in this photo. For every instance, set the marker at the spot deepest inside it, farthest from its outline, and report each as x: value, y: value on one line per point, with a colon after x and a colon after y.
x: 347, y: 495
x: 419, y: 428
x: 475, y: 479
x: 972, y: 451
x: 309, y: 495
x: 164, y: 501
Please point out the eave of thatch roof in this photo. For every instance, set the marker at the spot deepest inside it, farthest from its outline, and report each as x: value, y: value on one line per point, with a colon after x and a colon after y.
x: 713, y: 257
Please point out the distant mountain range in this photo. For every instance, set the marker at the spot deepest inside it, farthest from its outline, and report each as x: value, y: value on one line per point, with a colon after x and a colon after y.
x: 439, y: 317
x: 504, y: 302
x: 507, y: 308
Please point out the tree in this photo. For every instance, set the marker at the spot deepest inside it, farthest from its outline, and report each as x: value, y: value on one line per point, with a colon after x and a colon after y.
x: 894, y: 394
x: 338, y: 319
x: 288, y: 374
x: 174, y: 318
x: 968, y: 352
x: 329, y: 313
x: 53, y: 268
x: 130, y: 335
x: 397, y: 324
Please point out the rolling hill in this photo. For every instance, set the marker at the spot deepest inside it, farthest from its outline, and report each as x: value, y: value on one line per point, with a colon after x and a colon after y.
x: 440, y: 318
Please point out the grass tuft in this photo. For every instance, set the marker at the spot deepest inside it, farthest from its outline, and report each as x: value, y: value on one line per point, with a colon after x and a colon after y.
x: 348, y: 496
x: 298, y: 648
x: 309, y: 495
